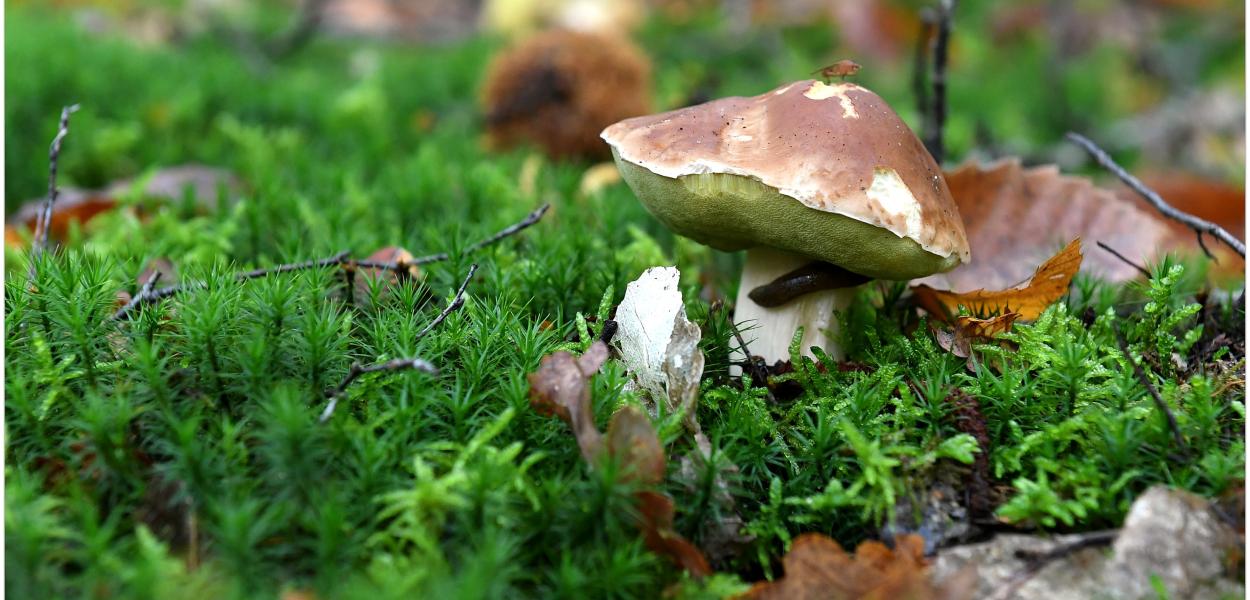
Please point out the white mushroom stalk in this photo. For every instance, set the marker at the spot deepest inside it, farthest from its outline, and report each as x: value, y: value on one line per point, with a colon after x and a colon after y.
x: 769, y: 331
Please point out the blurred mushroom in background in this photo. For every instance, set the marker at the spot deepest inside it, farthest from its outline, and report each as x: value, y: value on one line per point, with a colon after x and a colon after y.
x: 560, y: 88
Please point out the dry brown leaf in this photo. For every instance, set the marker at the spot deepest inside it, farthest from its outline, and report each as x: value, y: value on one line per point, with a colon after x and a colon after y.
x: 1049, y: 283
x: 75, y: 205
x: 969, y: 330
x: 561, y: 387
x: 1016, y: 217
x: 632, y: 440
x: 656, y: 512
x: 817, y: 568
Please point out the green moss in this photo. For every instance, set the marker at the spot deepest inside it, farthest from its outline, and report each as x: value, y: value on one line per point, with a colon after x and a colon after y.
x: 203, y: 409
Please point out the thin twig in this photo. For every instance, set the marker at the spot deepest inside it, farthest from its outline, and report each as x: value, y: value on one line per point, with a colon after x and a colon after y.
x: 941, y: 42
x: 456, y: 302
x: 1159, y: 403
x: 1140, y: 269
x: 43, y: 221
x: 331, y: 261
x: 1200, y: 226
x: 343, y: 258
x: 1035, y: 561
x: 154, y: 295
x: 357, y: 370
x: 510, y: 230
x: 144, y: 290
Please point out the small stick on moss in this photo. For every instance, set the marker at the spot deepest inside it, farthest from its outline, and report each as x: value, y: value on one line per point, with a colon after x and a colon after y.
x: 154, y: 295
x: 144, y: 291
x: 43, y: 221
x: 1140, y: 269
x: 337, y: 259
x: 1200, y: 226
x: 1159, y: 402
x: 456, y: 302
x: 357, y: 370
x: 508, y: 231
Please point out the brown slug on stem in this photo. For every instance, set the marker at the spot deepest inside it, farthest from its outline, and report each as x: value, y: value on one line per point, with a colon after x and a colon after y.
x: 812, y: 277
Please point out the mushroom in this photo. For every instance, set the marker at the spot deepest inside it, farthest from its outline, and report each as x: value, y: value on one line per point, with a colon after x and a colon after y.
x: 806, y: 173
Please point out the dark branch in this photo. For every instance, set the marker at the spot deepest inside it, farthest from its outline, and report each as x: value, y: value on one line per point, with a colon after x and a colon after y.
x: 331, y: 261
x: 508, y: 231
x: 357, y: 370
x: 144, y: 290
x: 1159, y: 402
x: 941, y: 42
x: 1035, y: 561
x: 920, y: 66
x: 1200, y: 226
x: 342, y: 259
x: 43, y: 222
x: 1140, y: 269
x: 455, y: 304
x: 150, y: 295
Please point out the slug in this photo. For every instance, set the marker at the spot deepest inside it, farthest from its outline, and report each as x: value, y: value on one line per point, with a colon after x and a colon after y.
x: 812, y: 277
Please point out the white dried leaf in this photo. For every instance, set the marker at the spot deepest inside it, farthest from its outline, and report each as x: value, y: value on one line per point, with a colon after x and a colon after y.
x: 658, y: 344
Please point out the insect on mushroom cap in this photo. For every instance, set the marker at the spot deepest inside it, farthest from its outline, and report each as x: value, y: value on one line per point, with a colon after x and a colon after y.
x: 825, y: 171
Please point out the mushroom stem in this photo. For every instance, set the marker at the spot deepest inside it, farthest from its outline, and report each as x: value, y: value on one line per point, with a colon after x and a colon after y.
x: 768, y: 331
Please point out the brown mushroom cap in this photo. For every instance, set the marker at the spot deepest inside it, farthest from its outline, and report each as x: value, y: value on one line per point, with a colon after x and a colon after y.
x: 727, y: 173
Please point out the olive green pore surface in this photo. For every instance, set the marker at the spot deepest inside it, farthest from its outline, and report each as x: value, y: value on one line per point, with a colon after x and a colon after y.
x: 735, y: 212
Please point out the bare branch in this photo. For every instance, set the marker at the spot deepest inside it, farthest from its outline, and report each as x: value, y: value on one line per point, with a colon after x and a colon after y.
x: 508, y: 231
x: 941, y: 42
x: 1200, y: 226
x: 43, y: 221
x: 1140, y: 269
x: 357, y: 370
x: 144, y: 291
x: 456, y: 302
x: 150, y: 295
x: 1159, y: 402
x: 331, y: 261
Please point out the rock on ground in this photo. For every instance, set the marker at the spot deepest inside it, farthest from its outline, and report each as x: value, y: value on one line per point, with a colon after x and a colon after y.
x: 1171, y: 540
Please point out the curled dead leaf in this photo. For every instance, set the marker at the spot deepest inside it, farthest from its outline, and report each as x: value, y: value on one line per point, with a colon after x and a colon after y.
x: 969, y: 330
x: 1049, y: 283
x: 561, y: 387
x: 632, y: 440
x: 656, y: 512
x: 816, y: 567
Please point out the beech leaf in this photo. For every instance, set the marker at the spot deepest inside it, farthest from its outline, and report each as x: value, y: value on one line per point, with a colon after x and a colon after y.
x: 561, y: 387
x: 1049, y: 283
x: 1015, y: 217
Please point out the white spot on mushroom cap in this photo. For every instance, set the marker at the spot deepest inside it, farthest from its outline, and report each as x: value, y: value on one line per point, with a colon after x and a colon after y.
x: 820, y: 91
x: 893, y: 196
